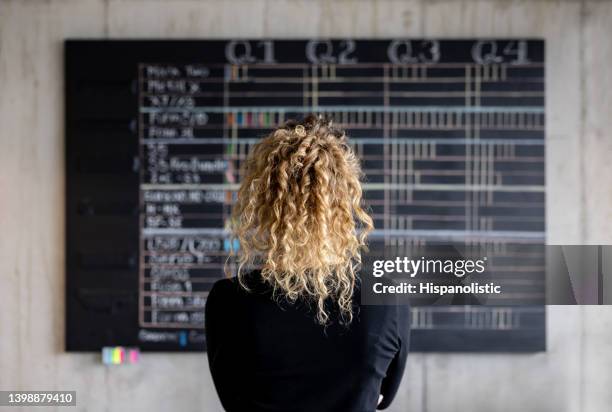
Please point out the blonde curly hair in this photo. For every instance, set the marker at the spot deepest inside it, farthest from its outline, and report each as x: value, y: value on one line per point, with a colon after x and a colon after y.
x: 299, y: 215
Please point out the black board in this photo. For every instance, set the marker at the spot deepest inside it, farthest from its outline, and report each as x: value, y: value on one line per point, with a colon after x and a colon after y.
x: 451, y: 133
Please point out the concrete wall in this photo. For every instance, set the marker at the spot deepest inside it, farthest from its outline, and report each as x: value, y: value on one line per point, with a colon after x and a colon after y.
x: 573, y: 375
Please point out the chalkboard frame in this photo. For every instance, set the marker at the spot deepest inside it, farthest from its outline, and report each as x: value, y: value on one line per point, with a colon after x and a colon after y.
x: 101, y: 105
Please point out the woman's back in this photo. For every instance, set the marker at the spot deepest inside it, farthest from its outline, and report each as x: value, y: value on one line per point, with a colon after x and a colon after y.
x: 291, y: 335
x: 271, y: 356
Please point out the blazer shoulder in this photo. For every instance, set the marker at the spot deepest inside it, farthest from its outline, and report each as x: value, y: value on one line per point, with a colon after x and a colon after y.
x: 224, y: 287
x: 221, y: 298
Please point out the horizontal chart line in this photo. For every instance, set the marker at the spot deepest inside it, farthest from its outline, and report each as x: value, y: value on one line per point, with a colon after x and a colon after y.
x: 383, y: 109
x: 350, y: 79
x: 166, y: 325
x: 354, y: 140
x: 283, y: 65
x: 366, y: 186
x: 342, y: 93
x: 380, y: 233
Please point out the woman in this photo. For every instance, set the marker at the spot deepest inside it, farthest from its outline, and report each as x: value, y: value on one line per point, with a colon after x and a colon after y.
x: 291, y: 335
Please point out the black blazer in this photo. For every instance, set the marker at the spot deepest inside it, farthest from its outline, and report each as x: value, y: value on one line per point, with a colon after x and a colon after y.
x: 266, y: 355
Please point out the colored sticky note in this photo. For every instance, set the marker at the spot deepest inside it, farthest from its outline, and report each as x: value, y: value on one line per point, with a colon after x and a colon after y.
x: 119, y: 355
x: 116, y: 356
x: 133, y: 355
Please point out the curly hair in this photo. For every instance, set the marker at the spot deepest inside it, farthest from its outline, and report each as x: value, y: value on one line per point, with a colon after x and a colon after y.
x: 299, y: 215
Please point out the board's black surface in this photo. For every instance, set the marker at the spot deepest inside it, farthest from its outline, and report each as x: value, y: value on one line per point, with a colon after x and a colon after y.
x: 114, y: 153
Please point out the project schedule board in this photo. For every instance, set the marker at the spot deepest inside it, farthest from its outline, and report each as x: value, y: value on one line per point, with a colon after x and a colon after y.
x: 450, y: 134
